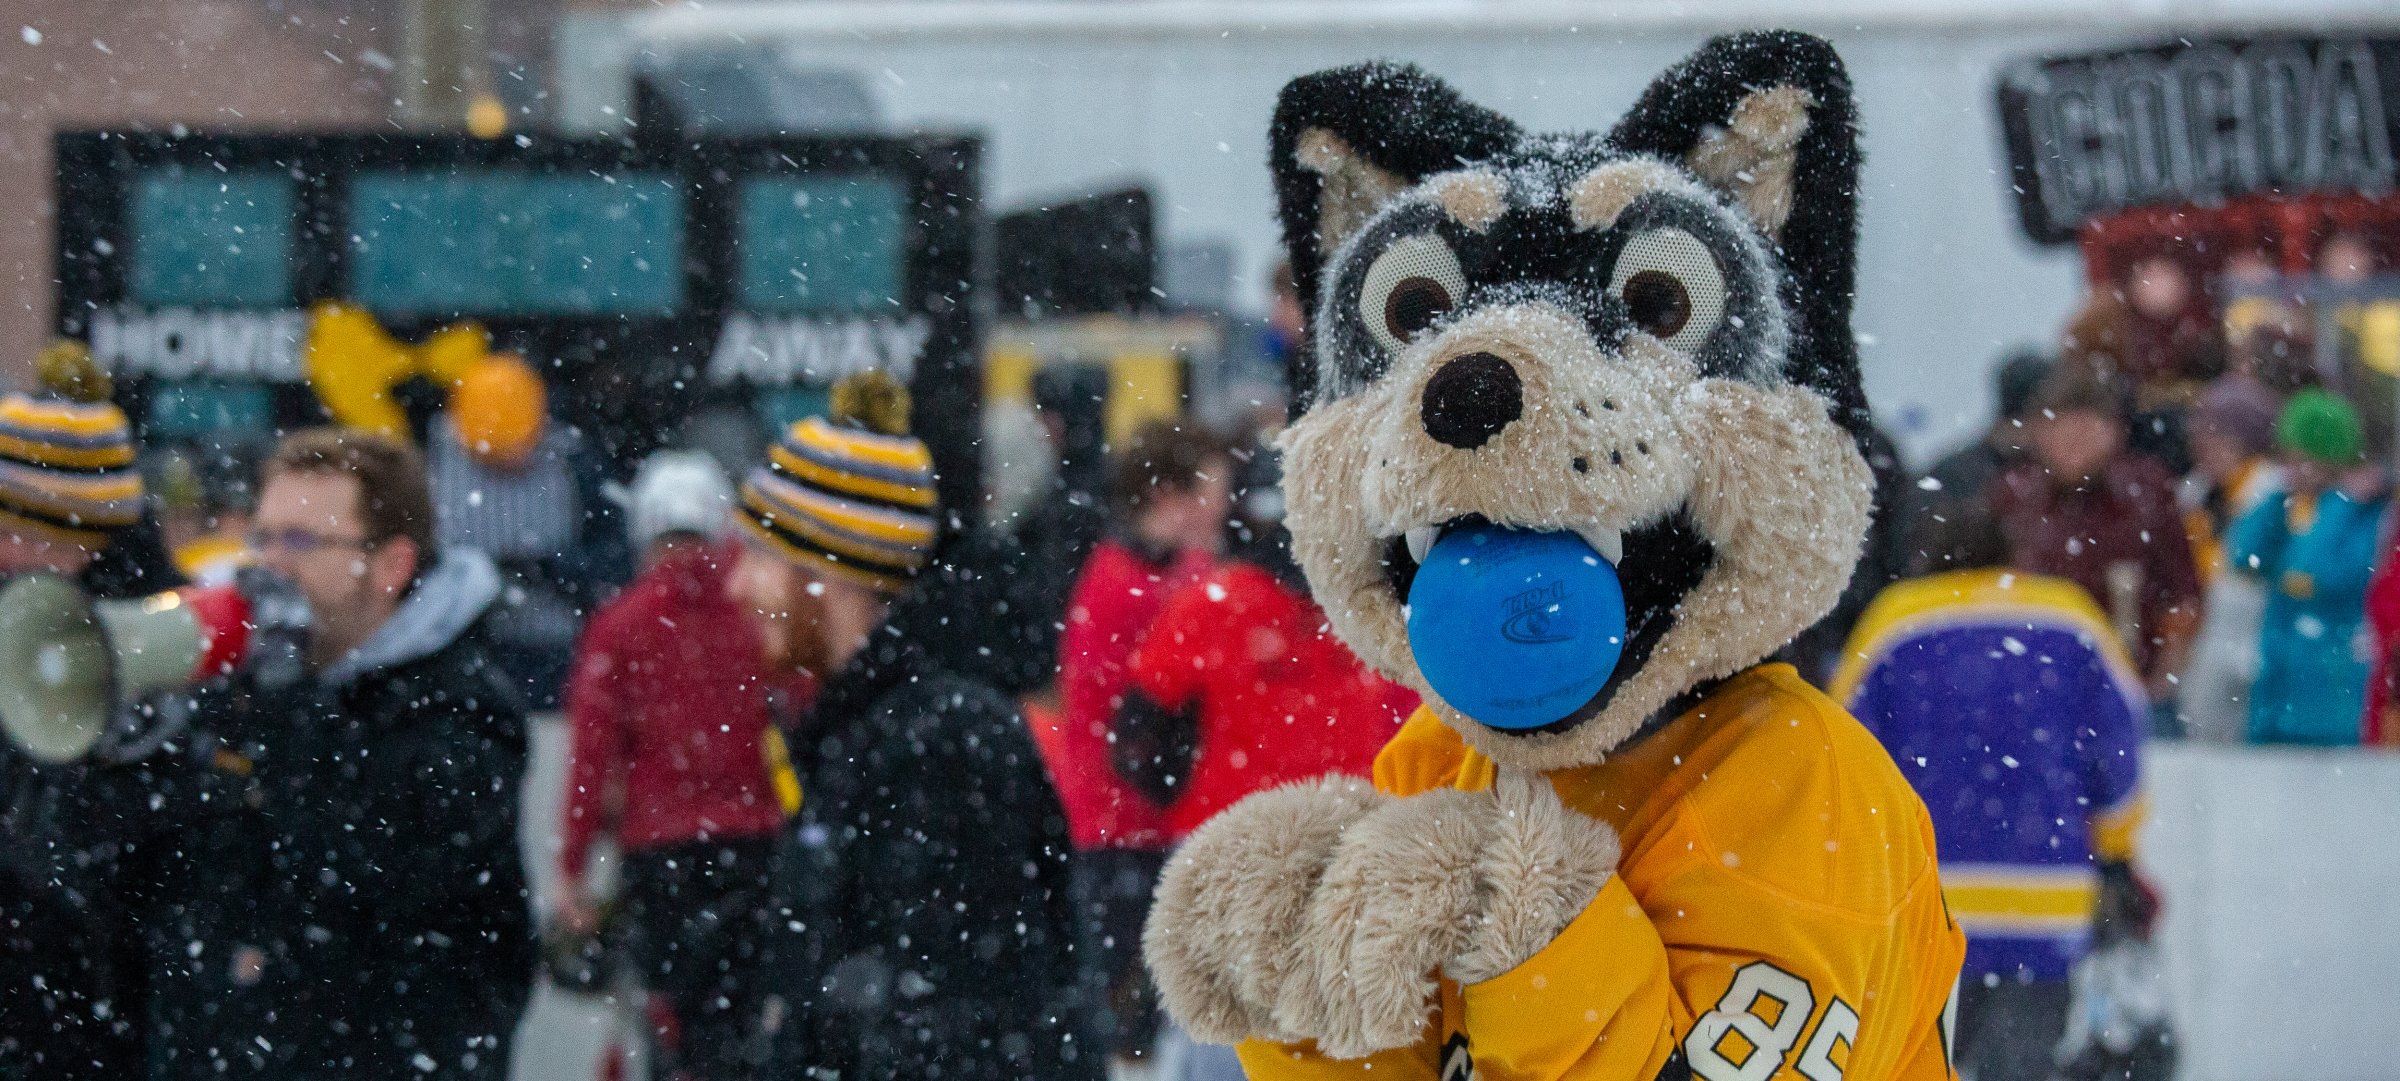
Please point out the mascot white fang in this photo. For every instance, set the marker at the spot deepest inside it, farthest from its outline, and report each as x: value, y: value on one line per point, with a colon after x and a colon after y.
x: 1648, y: 854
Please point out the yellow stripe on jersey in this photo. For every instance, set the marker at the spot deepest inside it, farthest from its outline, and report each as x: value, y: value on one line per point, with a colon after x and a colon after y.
x: 2113, y: 829
x: 1911, y: 608
x: 2005, y: 899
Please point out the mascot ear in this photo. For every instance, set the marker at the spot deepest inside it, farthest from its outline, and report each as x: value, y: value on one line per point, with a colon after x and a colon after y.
x: 1767, y: 118
x: 1346, y: 140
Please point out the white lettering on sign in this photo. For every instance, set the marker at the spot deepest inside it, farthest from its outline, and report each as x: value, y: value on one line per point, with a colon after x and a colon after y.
x: 176, y: 343
x: 776, y: 351
x: 2108, y: 131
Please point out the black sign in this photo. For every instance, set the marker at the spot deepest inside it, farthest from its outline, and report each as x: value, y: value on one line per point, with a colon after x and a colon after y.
x: 650, y: 280
x: 2199, y: 122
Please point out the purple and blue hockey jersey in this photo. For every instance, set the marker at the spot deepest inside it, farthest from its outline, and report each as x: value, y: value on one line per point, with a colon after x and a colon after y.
x: 2018, y: 717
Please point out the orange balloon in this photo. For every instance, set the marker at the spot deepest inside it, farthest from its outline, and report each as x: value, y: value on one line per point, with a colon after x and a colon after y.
x: 499, y: 408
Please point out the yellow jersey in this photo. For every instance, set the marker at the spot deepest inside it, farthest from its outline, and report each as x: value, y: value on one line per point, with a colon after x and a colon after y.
x: 1776, y: 913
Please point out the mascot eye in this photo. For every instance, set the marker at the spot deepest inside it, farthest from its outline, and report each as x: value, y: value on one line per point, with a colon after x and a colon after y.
x: 1413, y: 283
x: 1671, y: 287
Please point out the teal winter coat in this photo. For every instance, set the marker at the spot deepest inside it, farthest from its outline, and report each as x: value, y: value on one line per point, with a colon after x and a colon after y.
x: 2312, y: 678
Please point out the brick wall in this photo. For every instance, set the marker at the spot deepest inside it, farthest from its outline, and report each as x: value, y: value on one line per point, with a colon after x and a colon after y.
x: 220, y: 65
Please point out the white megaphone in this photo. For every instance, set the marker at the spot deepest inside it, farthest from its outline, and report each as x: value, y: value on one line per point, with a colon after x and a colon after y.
x: 67, y: 661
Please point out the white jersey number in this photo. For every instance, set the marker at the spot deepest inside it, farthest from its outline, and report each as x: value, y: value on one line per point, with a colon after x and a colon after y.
x: 1758, y: 1022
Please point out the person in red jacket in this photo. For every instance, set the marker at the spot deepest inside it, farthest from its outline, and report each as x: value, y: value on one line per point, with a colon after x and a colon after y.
x: 1169, y: 491
x: 2381, y: 726
x: 675, y: 756
x: 1240, y: 686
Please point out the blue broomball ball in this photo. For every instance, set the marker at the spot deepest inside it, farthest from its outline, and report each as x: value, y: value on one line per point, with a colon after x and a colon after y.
x: 1515, y: 628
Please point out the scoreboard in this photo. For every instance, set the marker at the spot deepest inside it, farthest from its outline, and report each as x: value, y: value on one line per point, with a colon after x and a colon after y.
x: 648, y: 280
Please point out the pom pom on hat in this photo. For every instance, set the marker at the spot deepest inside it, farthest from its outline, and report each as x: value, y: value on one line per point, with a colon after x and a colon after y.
x: 871, y: 400
x: 2320, y: 425
x: 852, y: 494
x: 66, y: 368
x: 499, y: 408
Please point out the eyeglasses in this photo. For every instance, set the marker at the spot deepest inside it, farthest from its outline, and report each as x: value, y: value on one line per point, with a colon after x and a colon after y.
x: 301, y: 541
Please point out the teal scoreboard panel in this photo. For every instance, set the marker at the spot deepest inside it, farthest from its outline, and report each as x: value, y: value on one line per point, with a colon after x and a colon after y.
x: 649, y: 280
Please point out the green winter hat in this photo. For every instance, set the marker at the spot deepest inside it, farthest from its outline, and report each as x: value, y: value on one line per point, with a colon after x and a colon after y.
x: 2320, y: 425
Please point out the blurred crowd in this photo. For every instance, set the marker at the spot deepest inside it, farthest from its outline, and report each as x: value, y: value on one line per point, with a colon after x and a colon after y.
x: 2220, y: 490
x: 864, y: 785
x: 858, y: 784
x: 2172, y: 528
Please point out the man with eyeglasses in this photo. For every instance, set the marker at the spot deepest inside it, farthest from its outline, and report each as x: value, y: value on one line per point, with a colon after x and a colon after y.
x: 351, y: 903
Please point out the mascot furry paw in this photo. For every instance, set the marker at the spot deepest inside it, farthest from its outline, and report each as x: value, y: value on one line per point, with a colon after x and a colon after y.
x: 1641, y: 339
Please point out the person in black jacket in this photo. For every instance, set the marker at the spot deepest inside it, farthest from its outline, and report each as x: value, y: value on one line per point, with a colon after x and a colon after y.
x: 344, y: 897
x: 927, y: 878
x: 1883, y: 560
x: 1058, y: 531
x: 931, y: 879
x: 67, y: 979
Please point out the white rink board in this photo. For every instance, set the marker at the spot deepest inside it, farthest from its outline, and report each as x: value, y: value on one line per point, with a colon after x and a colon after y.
x: 564, y: 1037
x: 2281, y: 870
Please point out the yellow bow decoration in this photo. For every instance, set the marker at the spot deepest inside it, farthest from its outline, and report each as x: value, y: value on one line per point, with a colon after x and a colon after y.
x: 353, y: 364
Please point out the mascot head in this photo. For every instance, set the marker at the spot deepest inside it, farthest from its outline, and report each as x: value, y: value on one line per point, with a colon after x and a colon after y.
x: 1641, y: 337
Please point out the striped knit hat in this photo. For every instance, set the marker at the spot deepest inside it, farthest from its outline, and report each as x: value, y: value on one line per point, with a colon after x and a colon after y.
x: 66, y: 470
x: 853, y: 492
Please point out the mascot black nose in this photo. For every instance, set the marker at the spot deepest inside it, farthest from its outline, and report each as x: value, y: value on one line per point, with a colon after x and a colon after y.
x: 1470, y: 399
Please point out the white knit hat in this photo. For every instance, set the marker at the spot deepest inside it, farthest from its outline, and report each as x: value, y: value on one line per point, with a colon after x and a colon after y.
x: 677, y: 491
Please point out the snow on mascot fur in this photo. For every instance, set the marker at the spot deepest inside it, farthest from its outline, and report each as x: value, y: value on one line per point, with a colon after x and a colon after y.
x: 1642, y: 337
